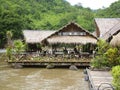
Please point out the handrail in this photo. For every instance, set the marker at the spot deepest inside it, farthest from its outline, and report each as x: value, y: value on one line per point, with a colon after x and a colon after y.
x: 105, y: 87
x: 90, y: 79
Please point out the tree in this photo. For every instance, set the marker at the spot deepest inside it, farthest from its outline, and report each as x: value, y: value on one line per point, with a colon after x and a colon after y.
x: 9, y: 38
x: 9, y: 45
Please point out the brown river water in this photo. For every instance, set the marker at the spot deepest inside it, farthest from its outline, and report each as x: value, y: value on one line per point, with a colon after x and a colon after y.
x: 41, y: 79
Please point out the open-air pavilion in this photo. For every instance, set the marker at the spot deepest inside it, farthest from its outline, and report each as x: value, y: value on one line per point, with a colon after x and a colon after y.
x: 71, y: 37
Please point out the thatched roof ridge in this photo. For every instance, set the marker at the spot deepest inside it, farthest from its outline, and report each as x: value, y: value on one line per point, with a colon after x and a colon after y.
x: 91, y: 34
x: 36, y: 36
x: 61, y: 29
x: 105, y: 24
x: 71, y: 39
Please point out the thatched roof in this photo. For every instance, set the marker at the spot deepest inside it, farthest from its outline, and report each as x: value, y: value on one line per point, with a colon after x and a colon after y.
x: 94, y: 33
x: 106, y: 24
x: 36, y: 36
x: 113, y: 31
x: 72, y: 39
x: 69, y: 39
x: 116, y: 40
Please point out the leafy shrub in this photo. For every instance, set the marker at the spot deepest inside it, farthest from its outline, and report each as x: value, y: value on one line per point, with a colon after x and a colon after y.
x: 102, y: 46
x: 112, y: 56
x: 106, y: 56
x: 116, y: 77
x: 18, y: 46
x: 100, y: 60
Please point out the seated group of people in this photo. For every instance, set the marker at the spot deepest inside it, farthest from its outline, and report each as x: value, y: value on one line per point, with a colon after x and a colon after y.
x: 75, y: 51
x: 64, y: 51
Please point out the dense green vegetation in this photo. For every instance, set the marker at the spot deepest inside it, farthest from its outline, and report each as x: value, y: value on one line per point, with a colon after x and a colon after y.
x: 116, y: 77
x: 106, y: 57
x: 112, y: 12
x: 17, y: 15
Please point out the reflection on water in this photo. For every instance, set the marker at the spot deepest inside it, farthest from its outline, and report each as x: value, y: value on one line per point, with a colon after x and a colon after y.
x: 41, y: 79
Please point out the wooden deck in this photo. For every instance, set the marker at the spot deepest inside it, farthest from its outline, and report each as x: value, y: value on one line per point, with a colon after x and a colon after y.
x: 54, y: 60
x: 100, y: 80
x: 55, y: 63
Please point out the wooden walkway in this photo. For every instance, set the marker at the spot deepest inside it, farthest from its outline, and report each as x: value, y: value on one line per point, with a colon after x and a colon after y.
x: 100, y: 80
x: 55, y: 63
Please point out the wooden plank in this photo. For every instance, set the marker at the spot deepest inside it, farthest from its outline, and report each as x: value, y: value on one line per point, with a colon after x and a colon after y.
x: 96, y: 78
x: 55, y: 63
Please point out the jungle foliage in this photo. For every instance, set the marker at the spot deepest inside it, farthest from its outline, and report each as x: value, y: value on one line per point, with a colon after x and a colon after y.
x: 17, y: 15
x: 116, y: 77
x: 106, y: 56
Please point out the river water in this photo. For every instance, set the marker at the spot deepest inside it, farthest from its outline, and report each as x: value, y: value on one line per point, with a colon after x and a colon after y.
x: 41, y: 79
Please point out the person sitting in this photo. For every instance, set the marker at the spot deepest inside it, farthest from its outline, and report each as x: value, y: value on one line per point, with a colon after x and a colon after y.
x: 65, y: 51
x: 76, y: 51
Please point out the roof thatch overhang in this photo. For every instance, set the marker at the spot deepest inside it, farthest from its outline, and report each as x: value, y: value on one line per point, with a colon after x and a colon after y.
x: 55, y: 38
x: 71, y: 40
x: 36, y: 36
x: 115, y: 40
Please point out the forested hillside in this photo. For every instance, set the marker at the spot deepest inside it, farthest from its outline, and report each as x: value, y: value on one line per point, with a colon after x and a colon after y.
x: 112, y: 12
x: 17, y: 15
